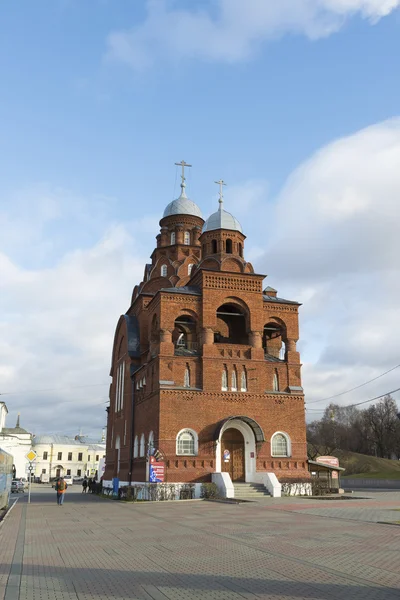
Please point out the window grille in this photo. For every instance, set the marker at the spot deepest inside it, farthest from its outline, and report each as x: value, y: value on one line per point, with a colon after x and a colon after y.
x: 186, y: 443
x: 279, y: 445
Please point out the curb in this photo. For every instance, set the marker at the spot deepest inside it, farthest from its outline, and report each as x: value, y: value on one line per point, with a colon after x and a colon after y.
x: 8, y: 512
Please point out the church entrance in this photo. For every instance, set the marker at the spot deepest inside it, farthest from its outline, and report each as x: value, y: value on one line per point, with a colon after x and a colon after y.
x: 232, y: 454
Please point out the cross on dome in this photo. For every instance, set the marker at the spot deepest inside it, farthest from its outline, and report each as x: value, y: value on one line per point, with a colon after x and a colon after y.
x: 221, y: 183
x: 183, y: 164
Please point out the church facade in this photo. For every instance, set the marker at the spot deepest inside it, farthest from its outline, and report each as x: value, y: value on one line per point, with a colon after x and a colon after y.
x: 204, y: 364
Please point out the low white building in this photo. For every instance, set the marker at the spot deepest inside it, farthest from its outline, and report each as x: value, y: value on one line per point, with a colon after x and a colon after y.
x: 16, y: 441
x: 61, y: 455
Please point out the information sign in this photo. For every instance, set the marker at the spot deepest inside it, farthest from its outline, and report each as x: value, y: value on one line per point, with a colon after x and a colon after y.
x: 156, y: 471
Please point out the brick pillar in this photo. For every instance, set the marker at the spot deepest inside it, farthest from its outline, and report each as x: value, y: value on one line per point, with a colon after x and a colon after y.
x: 292, y: 355
x: 166, y: 345
x: 164, y: 236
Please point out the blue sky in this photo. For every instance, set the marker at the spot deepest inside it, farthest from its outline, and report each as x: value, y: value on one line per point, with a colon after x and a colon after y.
x: 100, y: 99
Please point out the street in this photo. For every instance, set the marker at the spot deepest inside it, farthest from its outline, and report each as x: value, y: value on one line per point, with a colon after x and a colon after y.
x: 288, y: 548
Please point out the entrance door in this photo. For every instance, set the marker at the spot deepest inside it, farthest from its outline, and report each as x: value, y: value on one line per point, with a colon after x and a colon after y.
x: 232, y: 454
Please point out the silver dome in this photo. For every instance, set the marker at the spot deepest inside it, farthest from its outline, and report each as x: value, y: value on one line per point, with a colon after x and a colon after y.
x: 182, y: 206
x: 222, y: 220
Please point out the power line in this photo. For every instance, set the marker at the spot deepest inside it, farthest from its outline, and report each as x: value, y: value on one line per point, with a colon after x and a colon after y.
x: 354, y: 388
x: 358, y: 403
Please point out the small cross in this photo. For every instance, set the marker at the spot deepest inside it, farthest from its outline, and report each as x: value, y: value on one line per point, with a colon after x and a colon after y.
x: 183, y: 164
x: 221, y: 183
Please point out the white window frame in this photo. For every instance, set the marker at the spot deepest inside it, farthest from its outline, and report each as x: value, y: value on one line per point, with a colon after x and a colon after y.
x: 288, y: 445
x: 136, y: 447
x: 243, y: 381
x: 164, y: 271
x: 234, y: 387
x: 119, y: 392
x: 186, y: 378
x: 224, y: 381
x: 275, y: 382
x: 173, y: 238
x: 142, y: 444
x: 190, y: 267
x: 195, y: 442
x: 186, y: 238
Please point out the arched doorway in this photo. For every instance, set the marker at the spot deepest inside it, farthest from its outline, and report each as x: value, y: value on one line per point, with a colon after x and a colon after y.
x: 233, y: 454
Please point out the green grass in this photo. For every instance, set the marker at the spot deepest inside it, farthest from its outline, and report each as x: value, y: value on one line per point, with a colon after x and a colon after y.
x: 369, y: 467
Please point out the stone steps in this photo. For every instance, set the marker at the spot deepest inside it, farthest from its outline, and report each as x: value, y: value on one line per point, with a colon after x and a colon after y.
x: 250, y: 491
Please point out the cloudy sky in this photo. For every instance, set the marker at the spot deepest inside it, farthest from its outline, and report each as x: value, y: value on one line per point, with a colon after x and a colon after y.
x: 294, y: 103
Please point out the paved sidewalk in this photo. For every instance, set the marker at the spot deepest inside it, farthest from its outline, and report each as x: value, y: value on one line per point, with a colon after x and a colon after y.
x: 92, y: 548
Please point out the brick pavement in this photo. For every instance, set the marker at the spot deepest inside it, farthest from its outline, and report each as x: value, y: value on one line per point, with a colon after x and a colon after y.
x: 92, y: 548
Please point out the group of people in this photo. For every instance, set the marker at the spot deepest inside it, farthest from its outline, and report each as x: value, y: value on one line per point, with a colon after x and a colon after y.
x: 88, y: 484
x: 61, y: 487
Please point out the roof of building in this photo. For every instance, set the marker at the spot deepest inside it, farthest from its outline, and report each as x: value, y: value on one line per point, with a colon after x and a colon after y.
x: 185, y: 289
x: 182, y: 206
x: 13, y: 431
x: 222, y: 220
x: 279, y: 300
x: 65, y: 440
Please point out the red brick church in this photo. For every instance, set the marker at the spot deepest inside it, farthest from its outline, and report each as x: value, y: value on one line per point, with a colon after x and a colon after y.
x: 204, y: 364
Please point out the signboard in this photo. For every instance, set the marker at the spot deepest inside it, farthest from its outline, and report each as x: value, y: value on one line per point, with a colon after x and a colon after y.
x: 31, y: 455
x: 227, y: 456
x: 156, y: 471
x: 328, y: 460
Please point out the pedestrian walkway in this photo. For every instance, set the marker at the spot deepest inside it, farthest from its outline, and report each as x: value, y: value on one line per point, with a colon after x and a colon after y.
x: 99, y: 549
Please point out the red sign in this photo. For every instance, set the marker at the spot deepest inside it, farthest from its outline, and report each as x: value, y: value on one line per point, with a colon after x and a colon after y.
x: 328, y: 460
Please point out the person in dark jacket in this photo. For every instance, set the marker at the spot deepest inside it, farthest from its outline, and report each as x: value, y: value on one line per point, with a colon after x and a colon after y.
x: 61, y: 488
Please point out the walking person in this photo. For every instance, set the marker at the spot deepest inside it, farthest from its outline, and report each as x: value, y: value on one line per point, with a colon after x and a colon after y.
x: 61, y: 487
x: 84, y: 486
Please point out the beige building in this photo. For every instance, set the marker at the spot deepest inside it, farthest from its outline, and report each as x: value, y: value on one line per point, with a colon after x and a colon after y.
x: 61, y: 455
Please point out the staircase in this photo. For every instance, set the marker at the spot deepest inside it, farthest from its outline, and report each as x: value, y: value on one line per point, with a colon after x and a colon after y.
x: 250, y: 491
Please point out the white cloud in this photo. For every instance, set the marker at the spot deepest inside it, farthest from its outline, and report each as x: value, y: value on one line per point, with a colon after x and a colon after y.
x: 57, y: 321
x: 335, y: 246
x: 234, y: 29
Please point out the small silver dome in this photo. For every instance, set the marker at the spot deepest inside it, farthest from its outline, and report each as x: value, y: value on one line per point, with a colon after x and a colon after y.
x: 182, y: 206
x: 222, y: 220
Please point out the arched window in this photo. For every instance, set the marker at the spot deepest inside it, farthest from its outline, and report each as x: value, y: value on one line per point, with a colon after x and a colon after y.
x: 151, y: 443
x: 228, y: 246
x: 234, y: 380
x: 136, y: 447
x: 224, y: 384
x: 214, y: 246
x: 186, y: 379
x: 273, y: 339
x: 231, y: 325
x: 190, y: 267
x: 141, y: 450
x: 186, y: 238
x: 186, y: 442
x: 173, y: 238
x: 243, y: 381
x: 275, y: 382
x: 184, y: 335
x: 240, y: 250
x: 164, y: 271
x: 280, y: 445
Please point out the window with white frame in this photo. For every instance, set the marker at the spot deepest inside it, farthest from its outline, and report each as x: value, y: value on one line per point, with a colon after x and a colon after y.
x: 234, y: 380
x: 224, y: 383
x: 164, y: 270
x: 119, y: 391
x: 141, y: 450
x: 173, y: 238
x: 243, y: 381
x: 186, y: 442
x: 190, y: 267
x: 280, y: 445
x: 151, y: 443
x: 275, y: 382
x: 186, y: 238
x: 136, y: 447
x: 186, y: 378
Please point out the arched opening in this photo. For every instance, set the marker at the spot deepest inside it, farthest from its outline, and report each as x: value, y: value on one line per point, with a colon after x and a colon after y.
x: 186, y: 238
x: 187, y: 443
x: 151, y: 443
x: 243, y: 381
x: 164, y: 271
x: 173, y: 238
x: 184, y: 335
x: 190, y: 267
x: 273, y: 341
x: 280, y: 445
x: 233, y: 454
x: 231, y: 325
x: 228, y: 246
x: 275, y: 382
x: 186, y: 379
x: 214, y: 247
x: 234, y: 380
x: 224, y: 383
x: 141, y: 449
x: 253, y: 437
x: 136, y: 447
